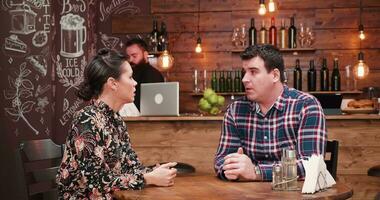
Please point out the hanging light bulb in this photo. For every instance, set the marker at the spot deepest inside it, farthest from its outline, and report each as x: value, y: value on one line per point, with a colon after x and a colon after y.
x: 361, y: 70
x: 271, y: 6
x: 198, y: 48
x: 262, y: 8
x: 361, y: 32
x: 165, y: 61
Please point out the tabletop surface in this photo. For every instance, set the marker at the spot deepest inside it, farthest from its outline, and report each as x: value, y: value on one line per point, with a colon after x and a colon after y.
x: 210, y: 187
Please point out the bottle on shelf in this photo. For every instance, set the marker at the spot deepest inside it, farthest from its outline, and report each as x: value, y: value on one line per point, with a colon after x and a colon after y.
x: 297, y: 76
x: 282, y: 41
x: 154, y: 37
x: 163, y: 38
x: 237, y: 82
x: 214, y: 82
x: 312, y: 77
x: 335, y: 76
x: 252, y: 33
x: 222, y: 82
x: 273, y: 33
x: 292, y: 34
x: 229, y: 82
x: 324, y: 76
x: 263, y: 33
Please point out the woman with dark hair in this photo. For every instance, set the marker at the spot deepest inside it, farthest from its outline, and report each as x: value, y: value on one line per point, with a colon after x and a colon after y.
x: 98, y: 157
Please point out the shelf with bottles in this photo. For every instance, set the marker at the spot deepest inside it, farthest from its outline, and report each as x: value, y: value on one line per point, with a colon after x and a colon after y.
x: 286, y: 50
x: 336, y: 92
x: 220, y: 93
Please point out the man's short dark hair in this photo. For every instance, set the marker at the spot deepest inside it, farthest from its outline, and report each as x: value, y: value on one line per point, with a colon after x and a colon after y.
x: 270, y: 54
x: 140, y: 42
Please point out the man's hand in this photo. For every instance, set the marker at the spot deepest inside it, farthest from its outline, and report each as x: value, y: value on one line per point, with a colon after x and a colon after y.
x: 238, y: 165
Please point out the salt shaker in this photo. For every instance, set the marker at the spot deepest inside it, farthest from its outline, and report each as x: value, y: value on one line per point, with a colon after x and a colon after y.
x: 277, y: 177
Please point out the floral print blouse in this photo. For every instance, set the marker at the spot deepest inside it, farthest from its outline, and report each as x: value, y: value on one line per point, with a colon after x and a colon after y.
x: 98, y: 156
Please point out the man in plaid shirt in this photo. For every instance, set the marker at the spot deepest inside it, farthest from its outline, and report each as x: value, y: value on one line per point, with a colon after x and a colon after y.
x: 269, y: 118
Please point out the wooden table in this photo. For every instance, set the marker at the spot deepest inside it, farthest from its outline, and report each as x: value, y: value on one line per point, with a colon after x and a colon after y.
x: 210, y: 187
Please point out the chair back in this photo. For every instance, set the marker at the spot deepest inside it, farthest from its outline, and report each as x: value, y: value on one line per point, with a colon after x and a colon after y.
x: 332, y: 150
x: 40, y: 161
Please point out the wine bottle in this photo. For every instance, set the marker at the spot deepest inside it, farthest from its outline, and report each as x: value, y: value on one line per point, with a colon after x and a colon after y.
x: 335, y: 77
x: 252, y: 33
x: 297, y: 76
x: 237, y: 82
x: 214, y: 81
x: 324, y: 79
x: 222, y: 82
x: 154, y: 37
x: 282, y: 35
x: 292, y: 34
x: 273, y: 33
x: 311, y: 77
x: 263, y: 33
x: 229, y: 82
x: 242, y: 73
x: 163, y: 38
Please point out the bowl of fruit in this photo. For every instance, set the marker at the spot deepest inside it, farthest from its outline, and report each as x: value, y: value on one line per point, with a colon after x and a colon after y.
x: 211, y: 103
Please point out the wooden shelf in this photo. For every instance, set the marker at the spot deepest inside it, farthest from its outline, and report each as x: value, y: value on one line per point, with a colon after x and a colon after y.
x: 155, y: 53
x: 294, y: 51
x: 221, y: 93
x: 316, y: 92
x: 337, y: 92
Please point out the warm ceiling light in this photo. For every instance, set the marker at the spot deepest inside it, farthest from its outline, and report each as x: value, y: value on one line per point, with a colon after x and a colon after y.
x: 361, y: 70
x: 361, y: 32
x: 165, y: 61
x: 271, y: 6
x: 198, y: 48
x: 262, y: 8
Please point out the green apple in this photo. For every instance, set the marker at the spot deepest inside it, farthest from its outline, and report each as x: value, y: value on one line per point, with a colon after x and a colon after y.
x: 220, y: 101
x: 213, y: 99
x: 204, y: 105
x: 214, y: 110
x: 208, y: 92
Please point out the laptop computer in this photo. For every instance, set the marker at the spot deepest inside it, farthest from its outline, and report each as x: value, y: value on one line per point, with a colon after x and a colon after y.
x: 159, y: 99
x: 330, y: 103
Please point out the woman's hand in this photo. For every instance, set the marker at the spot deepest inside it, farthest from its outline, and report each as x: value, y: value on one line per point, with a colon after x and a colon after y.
x: 162, y: 175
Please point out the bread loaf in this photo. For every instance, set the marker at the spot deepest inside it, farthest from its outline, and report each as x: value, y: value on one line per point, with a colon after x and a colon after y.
x: 363, y: 103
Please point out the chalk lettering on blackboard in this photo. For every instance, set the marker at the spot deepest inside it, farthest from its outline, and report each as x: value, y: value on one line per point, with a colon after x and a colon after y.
x: 41, y: 104
x: 47, y: 131
x: 70, y: 111
x: 40, y: 39
x: 38, y: 63
x: 73, y: 7
x: 42, y: 120
x: 46, y: 16
x: 109, y: 41
x: 10, y: 60
x: 71, y: 77
x: 13, y: 43
x: 36, y: 77
x: 20, y: 88
x: 119, y: 7
x: 23, y: 20
x: 73, y: 35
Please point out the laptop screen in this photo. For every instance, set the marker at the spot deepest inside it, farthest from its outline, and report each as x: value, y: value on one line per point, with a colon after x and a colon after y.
x: 159, y: 99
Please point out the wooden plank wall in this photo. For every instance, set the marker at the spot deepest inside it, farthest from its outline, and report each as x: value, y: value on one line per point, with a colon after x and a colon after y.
x: 335, y: 23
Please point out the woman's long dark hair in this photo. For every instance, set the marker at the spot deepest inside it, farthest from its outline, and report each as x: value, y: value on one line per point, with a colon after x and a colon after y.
x: 104, y: 65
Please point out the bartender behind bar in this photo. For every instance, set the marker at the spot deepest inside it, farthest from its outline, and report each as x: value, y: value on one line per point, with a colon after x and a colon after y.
x: 143, y: 72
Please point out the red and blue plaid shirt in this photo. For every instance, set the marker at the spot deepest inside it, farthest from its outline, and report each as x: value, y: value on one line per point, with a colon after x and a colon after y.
x: 295, y: 121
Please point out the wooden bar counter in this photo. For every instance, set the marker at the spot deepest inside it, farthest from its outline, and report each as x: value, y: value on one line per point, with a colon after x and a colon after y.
x: 193, y: 139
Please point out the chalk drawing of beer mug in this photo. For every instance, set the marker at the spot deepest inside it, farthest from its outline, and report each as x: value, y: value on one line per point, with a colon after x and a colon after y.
x: 73, y: 35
